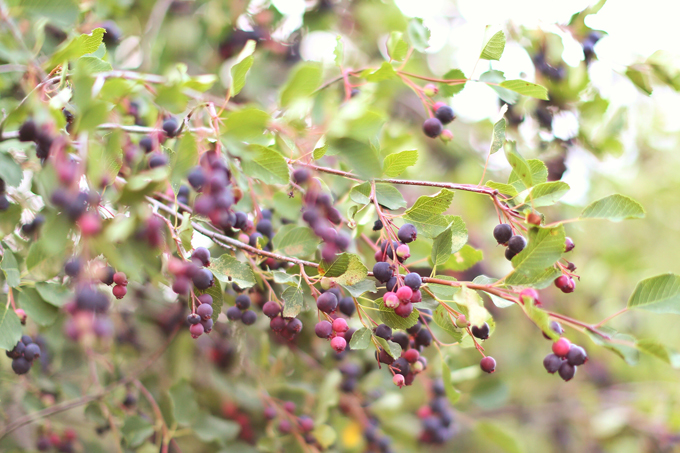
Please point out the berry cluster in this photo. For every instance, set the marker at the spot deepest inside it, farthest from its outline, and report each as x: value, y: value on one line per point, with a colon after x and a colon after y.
x: 41, y: 136
x: 121, y: 282
x: 4, y: 202
x: 515, y: 243
x: 288, y: 422
x: 565, y: 359
x: 436, y: 418
x: 321, y: 215
x: 288, y: 328
x: 240, y: 311
x: 443, y: 114
x: 33, y: 226
x: 377, y: 442
x: 23, y: 354
x: 52, y: 440
x: 88, y: 312
x: 411, y: 363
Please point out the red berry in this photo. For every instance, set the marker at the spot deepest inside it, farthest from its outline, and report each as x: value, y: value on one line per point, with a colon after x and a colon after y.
x: 403, y: 252
x: 340, y: 325
x: 404, y: 310
x: 411, y: 355
x: 339, y: 344
x: 196, y: 330
x: 565, y: 283
x: 488, y: 364
x: 404, y: 294
x: 119, y: 291
x: 561, y: 347
x: 90, y: 224
x: 568, y: 244
x: 119, y: 278
x: 417, y: 297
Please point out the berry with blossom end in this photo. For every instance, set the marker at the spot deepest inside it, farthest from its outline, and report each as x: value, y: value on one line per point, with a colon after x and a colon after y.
x: 403, y: 252
x: 565, y: 283
x: 488, y: 364
x: 399, y: 380
x: 417, y: 297
x: 21, y: 314
x: 404, y: 310
x: 234, y: 314
x: 552, y: 363
x: 196, y: 330
x: 391, y: 300
x: 404, y: 294
x: 446, y: 136
x: 517, y: 243
x: 561, y: 347
x: 481, y: 332
x: 445, y: 114
x: 338, y: 344
x: 568, y: 244
x: 530, y: 293
x: 271, y: 309
x: 461, y: 321
x: 205, y: 311
x: 323, y: 329
x: 567, y: 371
x: 327, y: 302
x: 407, y: 233
x: 382, y: 271
x: 119, y: 291
x: 119, y: 278
x: 576, y: 355
x: 430, y: 89
x: 340, y: 325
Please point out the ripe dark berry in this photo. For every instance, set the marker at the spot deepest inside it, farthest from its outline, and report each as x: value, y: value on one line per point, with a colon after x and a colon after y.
x: 203, y: 279
x: 31, y: 352
x: 249, y: 317
x: 205, y: 311
x: 401, y: 339
x: 423, y: 338
x: 243, y: 302
x: 327, y: 302
x: 72, y: 267
x: 205, y: 299
x: 576, y: 355
x: 382, y: 271
x: 107, y: 275
x: 481, y: 332
x: 561, y: 347
x: 568, y: 245
x: 197, y: 178
x: 158, y: 160
x: 413, y: 281
x: 294, y: 326
x: 241, y: 220
x: 488, y: 364
x: 264, y: 227
x: 21, y: 365
x: 502, y: 233
x: 234, y: 314
x: 202, y: 255
x: 565, y: 283
x: 432, y: 127
x: 445, y: 114
x: 4, y: 202
x: 254, y: 239
x: 401, y: 366
x: 276, y: 324
x: 391, y: 284
x: 301, y: 176
x: 346, y: 306
x: 567, y: 371
x: 181, y: 285
x: 207, y: 325
x: 323, y: 329
x: 509, y: 254
x: 28, y: 131
x: 552, y: 363
x: 271, y: 309
x: 194, y: 319
x: 407, y: 233
x: 517, y: 243
x: 170, y: 127
x: 383, y: 331
x: 377, y: 225
x: 146, y: 143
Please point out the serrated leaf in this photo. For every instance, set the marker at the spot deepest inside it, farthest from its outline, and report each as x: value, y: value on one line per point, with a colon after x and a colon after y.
x: 228, y: 269
x: 539, y: 175
x: 136, y: 430
x: 538, y: 280
x: 10, y: 267
x: 397, y: 48
x: 544, y: 194
x: 248, y: 124
x: 268, y: 165
x: 293, y: 240
x: 468, y: 298
x: 519, y: 165
x: 302, y: 83
x: 498, y: 136
x: 526, y: 88
x: 392, y: 348
x: 395, y: 321
x: 348, y: 269
x: 388, y: 195
x: 36, y: 308
x: 93, y: 64
x: 396, y: 163
x: 77, y: 47
x: 615, y: 207
x: 659, y: 294
x: 384, y: 72
x: 506, y: 189
x: 627, y: 352
x: 240, y: 70
x: 447, y: 90
x: 493, y: 50
x: 294, y: 301
x: 320, y: 148
x: 360, y: 339
x: 544, y: 248
x: 463, y: 259
x: 497, y: 301
x: 656, y: 349
x: 451, y: 393
x: 426, y: 213
x: 418, y: 34
x: 443, y: 319
x: 10, y: 171
x: 360, y: 156
x: 10, y: 327
x: 282, y: 277
x: 449, y: 241
x: 359, y: 289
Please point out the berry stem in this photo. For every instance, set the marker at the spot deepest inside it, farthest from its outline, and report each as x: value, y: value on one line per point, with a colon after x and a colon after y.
x: 165, y: 441
x: 623, y: 310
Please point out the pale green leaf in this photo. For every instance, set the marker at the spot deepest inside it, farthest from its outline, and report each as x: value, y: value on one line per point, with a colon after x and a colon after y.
x: 293, y: 301
x: 240, y: 70
x: 184, y: 159
x: 10, y: 171
x: 656, y: 349
x: 293, y: 240
x: 397, y: 48
x: 36, y: 308
x: 267, y: 165
x: 361, y: 339
x: 526, y: 88
x: 493, y: 50
x: 396, y: 163
x: 519, y: 165
x: 348, y: 269
x: 621, y: 344
x: 418, y: 34
x: 228, y: 269
x: 77, y: 47
x: 10, y: 327
x: 659, y: 294
x: 615, y: 207
x: 10, y: 267
x: 426, y: 213
x: 448, y: 90
x: 305, y: 79
x: 503, y: 438
x: 451, y: 393
x: 498, y: 137
x: 544, y: 248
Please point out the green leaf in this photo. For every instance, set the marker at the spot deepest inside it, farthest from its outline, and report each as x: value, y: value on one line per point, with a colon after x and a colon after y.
x: 640, y: 79
x: 325, y: 435
x: 248, y: 124
x: 10, y: 219
x: 282, y: 277
x: 320, y: 148
x: 183, y: 160
x: 305, y: 79
x: 659, y: 294
x: 217, y: 295
x: 544, y: 248
x: 104, y: 162
x: 54, y: 293
x: 268, y: 165
x: 494, y: 78
x: 10, y: 171
x: 293, y: 240
x: 615, y: 207
x: 449, y: 241
x: 360, y: 156
x: 539, y: 175
x: 186, y: 231
x: 388, y: 195
x: 397, y: 48
x: 228, y: 269
x: 500, y: 436
x: 348, y: 269
x: 294, y: 301
x: 451, y: 393
x: 62, y: 12
x: 446, y: 90
x: 498, y: 137
x: 426, y: 213
x: 506, y: 189
x: 10, y: 327
x: 443, y: 319
x: 36, y: 308
x: 418, y: 34
x: 519, y: 165
x: 526, y: 88
x: 464, y: 259
x: 364, y: 286
x: 184, y: 405
x: 395, y: 321
x: 468, y: 298
x: 395, y: 164
x: 538, y: 280
x: 539, y: 317
x: 493, y: 50
x: 544, y: 194
x: 10, y: 267
x: 445, y: 292
x: 77, y: 47
x: 240, y: 70
x: 339, y: 51
x: 93, y: 64
x: 656, y: 349
x: 209, y: 428
x: 627, y: 352
x: 136, y: 430
x: 392, y: 348
x: 384, y: 72
x: 361, y: 339
x: 497, y: 301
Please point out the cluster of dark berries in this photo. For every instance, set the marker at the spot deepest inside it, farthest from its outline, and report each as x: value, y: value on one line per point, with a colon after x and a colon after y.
x: 148, y: 143
x: 565, y: 359
x: 411, y: 363
x: 241, y: 311
x: 201, y: 320
x: 553, y: 73
x: 334, y: 330
x: 4, y: 202
x: 377, y: 441
x: 33, y: 226
x: 436, y: 418
x: 88, y: 301
x: 41, y: 136
x: 23, y: 354
x: 63, y: 444
x: 321, y: 215
x: 443, y: 114
x: 515, y: 243
x: 288, y: 422
x: 288, y: 328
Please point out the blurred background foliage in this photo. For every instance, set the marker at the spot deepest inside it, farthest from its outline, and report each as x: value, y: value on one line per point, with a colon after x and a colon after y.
x: 611, y: 125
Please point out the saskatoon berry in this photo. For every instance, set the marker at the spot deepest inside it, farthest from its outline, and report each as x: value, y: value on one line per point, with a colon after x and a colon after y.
x: 567, y: 371
x: 170, y: 127
x: 561, y: 347
x: 576, y: 355
x: 119, y: 291
x: 243, y: 302
x: 401, y: 366
x: 338, y: 344
x: 294, y: 326
x: 399, y: 380
x: 254, y: 239
x: 207, y: 325
x: 531, y: 293
x: 323, y: 329
x: 285, y: 427
x: 424, y: 338
x: 445, y: 114
x: 552, y: 363
x: 196, y: 330
x: 404, y: 310
x: 509, y: 254
x: 413, y: 281
x: 390, y: 300
x: 306, y: 424
x: 382, y: 271
x: 327, y: 302
x: 17, y: 351
x: 234, y: 314
x: 203, y: 279
x: 72, y: 267
x: 181, y: 285
x: 194, y: 319
x: 205, y: 299
x: 276, y: 324
x: 517, y: 243
x: 340, y: 325
x: 407, y: 233
x: 391, y: 284
x: 249, y: 317
x: 481, y: 332
x: 417, y: 297
x: 264, y: 227
x: 346, y: 306
x: 241, y: 220
x: 565, y: 283
x: 4, y: 202
x: 201, y: 254
x: 568, y: 245
x: 107, y: 275
x: 205, y: 311
x: 411, y: 355
x: 146, y: 143
x: 197, y: 178
x: 377, y: 225
x: 432, y: 127
x: 502, y: 233
x: 271, y: 309
x: 488, y: 364
x: 404, y: 294
x: 21, y: 365
x: 32, y: 351
x: 28, y: 131
x: 403, y: 252
x: 401, y: 339
x: 555, y: 327
x: 119, y: 278
x: 383, y: 331
x: 158, y: 160
x: 301, y: 176
x: 267, y: 214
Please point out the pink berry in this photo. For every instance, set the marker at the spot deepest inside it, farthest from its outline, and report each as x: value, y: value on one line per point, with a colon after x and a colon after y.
x: 340, y: 325
x: 530, y: 293
x: 399, y: 380
x: 21, y: 314
x: 565, y: 283
x: 196, y: 330
x: 391, y: 300
x: 90, y: 224
x: 437, y: 105
x: 411, y: 355
x: 339, y: 344
x: 404, y: 310
x: 119, y: 278
x: 488, y: 364
x: 403, y: 252
x: 417, y: 297
x: 561, y: 347
x: 404, y: 294
x: 430, y: 89
x: 446, y: 136
x: 119, y: 291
